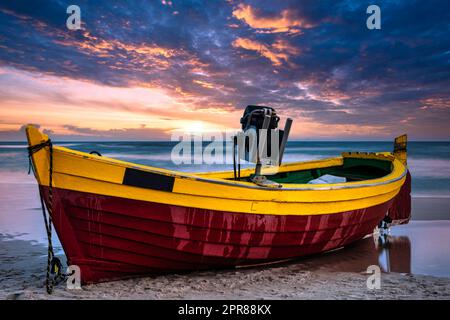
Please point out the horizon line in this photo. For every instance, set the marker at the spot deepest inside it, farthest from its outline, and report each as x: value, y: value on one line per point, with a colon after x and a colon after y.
x: 296, y: 140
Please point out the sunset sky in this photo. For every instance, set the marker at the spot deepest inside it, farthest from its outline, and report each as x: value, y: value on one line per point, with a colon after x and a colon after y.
x: 146, y: 69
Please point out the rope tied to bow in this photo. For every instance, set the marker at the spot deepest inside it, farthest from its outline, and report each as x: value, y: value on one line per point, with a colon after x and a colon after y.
x: 54, y: 266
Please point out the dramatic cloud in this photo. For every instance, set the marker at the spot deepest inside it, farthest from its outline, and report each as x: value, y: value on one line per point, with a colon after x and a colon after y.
x: 283, y: 22
x: 276, y: 54
x: 182, y: 65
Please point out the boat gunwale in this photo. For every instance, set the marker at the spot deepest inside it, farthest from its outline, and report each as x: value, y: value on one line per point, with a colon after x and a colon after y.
x: 385, y: 180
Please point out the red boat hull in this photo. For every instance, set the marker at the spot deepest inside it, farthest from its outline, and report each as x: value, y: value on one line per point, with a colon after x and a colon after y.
x: 112, y: 238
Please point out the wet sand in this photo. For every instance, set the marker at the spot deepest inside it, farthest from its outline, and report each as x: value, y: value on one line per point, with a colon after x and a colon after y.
x: 340, y: 274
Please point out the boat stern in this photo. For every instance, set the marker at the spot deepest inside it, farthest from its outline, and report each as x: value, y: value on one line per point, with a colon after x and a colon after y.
x: 400, y: 211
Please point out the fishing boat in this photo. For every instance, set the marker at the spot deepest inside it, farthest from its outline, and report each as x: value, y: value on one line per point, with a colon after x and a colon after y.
x: 117, y: 219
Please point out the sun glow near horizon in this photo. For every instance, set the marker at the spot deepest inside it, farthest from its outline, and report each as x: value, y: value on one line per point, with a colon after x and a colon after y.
x: 69, y: 106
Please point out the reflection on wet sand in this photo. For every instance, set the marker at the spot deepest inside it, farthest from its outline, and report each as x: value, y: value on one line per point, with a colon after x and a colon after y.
x: 391, y: 253
x: 394, y: 253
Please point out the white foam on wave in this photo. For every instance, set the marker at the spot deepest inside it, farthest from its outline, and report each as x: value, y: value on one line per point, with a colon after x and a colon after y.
x: 423, y: 195
x: 336, y: 150
x: 295, y: 157
x: 67, y: 144
x: 158, y: 157
x: 13, y: 146
x: 429, y: 168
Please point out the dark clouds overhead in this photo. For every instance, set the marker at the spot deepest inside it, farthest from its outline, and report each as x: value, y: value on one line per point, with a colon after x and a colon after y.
x: 313, y: 59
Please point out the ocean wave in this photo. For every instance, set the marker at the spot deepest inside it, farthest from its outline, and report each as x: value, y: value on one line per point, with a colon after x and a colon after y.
x: 71, y: 144
x: 429, y: 167
x: 318, y: 148
x: 431, y: 195
x: 13, y: 146
x: 10, y: 154
x: 293, y: 157
x: 159, y: 157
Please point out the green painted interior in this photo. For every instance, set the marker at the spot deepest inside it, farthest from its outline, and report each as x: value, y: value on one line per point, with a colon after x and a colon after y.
x: 353, y: 169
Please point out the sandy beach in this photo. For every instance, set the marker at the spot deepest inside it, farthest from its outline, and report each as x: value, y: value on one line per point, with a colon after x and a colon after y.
x: 336, y: 275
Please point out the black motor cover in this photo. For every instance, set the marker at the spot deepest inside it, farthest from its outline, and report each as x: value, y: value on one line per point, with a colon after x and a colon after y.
x: 254, y: 116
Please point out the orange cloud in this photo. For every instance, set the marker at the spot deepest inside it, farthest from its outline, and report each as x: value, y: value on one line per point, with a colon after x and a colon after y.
x: 279, y: 51
x: 285, y: 22
x: 325, y: 91
x: 204, y: 84
x: 435, y: 103
x: 284, y: 46
x: 141, y: 55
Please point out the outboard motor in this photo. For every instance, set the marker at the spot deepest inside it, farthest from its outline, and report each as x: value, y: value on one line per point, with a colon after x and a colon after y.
x: 254, y: 117
x: 261, y: 141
